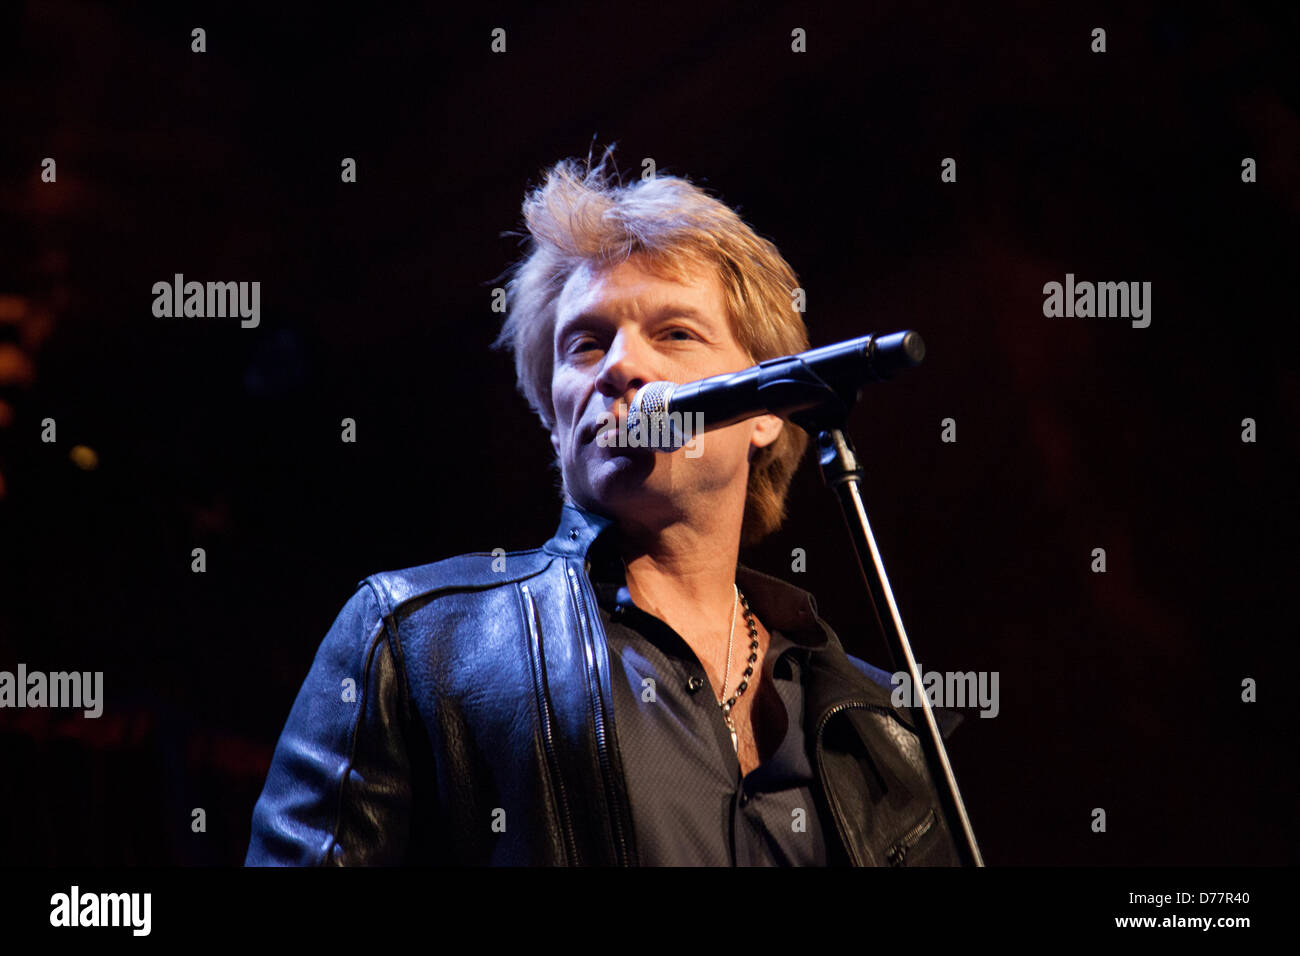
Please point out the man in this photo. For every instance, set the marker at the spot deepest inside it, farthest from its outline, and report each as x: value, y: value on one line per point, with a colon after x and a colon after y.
x: 627, y: 693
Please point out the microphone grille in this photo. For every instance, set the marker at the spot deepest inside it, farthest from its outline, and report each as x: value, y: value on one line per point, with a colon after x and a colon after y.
x: 653, y: 398
x: 649, y: 409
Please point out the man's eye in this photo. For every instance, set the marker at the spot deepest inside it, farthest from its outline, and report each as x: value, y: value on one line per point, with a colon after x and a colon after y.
x: 686, y: 333
x: 583, y: 344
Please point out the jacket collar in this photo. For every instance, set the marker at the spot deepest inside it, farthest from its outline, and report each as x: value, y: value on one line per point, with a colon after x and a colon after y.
x: 578, y: 529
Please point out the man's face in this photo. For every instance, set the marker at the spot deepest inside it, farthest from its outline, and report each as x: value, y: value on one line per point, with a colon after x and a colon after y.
x: 616, y: 330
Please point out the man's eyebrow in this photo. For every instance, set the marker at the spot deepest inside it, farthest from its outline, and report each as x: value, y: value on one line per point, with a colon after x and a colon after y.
x: 671, y: 310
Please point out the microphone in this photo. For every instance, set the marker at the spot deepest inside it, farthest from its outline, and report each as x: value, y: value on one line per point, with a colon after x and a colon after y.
x: 801, y: 388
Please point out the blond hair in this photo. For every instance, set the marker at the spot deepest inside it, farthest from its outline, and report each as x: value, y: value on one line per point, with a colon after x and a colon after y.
x: 584, y: 215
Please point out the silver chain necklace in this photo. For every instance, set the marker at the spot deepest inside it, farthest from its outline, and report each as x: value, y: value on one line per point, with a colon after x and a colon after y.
x: 729, y: 703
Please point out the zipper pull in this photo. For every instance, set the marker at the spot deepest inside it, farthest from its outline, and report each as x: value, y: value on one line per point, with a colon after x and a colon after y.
x: 898, y: 852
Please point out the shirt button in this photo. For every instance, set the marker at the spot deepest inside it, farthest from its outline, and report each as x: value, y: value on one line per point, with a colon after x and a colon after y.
x: 693, y: 684
x: 744, y: 799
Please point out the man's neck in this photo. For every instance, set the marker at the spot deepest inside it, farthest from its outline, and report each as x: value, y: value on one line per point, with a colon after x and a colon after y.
x: 684, y: 572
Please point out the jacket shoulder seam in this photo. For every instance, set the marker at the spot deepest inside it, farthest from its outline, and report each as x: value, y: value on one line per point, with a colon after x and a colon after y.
x: 404, y: 585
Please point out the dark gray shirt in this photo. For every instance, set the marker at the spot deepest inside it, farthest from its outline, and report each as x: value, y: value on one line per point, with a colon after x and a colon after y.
x: 690, y: 804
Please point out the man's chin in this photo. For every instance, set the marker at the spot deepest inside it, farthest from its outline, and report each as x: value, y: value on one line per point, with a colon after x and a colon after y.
x: 624, y: 486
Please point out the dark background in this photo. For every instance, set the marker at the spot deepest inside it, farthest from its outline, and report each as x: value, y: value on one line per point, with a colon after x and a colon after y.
x: 1118, y: 690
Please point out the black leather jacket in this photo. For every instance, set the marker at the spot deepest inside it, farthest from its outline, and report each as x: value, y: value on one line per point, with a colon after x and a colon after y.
x: 460, y: 713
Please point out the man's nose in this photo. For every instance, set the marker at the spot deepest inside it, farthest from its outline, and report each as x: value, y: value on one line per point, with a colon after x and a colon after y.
x: 627, y: 366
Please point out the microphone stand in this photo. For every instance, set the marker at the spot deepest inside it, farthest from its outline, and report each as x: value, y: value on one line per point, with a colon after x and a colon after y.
x: 824, y: 418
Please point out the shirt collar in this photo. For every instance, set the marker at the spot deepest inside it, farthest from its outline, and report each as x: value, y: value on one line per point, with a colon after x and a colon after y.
x: 778, y: 604
x: 781, y: 605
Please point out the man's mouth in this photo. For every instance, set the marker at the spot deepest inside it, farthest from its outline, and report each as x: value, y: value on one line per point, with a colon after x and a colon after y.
x: 602, y: 425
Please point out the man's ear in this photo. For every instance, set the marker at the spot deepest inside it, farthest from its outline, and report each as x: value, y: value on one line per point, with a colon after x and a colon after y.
x: 555, y: 441
x: 766, y: 429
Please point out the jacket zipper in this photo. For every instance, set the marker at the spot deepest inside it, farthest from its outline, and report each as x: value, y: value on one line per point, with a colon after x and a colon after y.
x: 836, y: 813
x: 548, y: 730
x: 599, y: 707
x: 898, y: 852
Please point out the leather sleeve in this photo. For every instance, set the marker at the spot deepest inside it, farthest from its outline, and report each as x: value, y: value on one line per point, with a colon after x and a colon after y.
x: 339, y: 792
